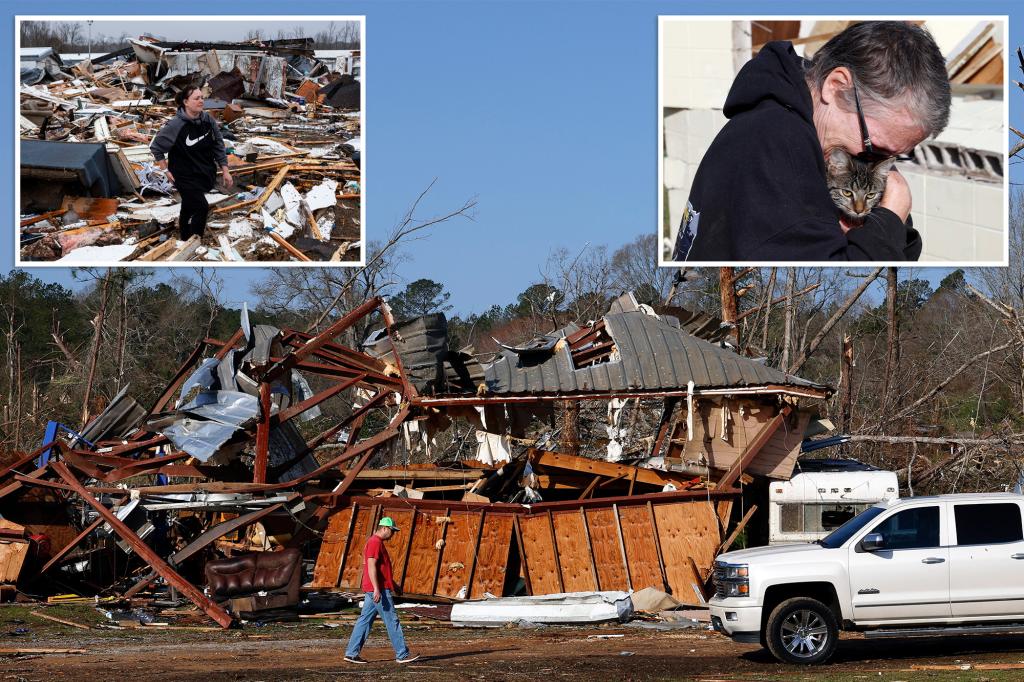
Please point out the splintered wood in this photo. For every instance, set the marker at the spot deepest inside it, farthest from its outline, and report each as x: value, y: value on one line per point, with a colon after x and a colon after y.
x: 463, y: 550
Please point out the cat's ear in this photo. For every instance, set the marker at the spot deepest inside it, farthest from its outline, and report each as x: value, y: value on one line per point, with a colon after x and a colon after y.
x: 839, y: 159
x: 882, y: 168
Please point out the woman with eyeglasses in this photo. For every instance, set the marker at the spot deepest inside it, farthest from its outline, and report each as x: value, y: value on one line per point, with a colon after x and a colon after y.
x: 874, y: 91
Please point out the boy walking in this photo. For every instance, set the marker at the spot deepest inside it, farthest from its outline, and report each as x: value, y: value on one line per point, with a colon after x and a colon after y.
x: 378, y: 584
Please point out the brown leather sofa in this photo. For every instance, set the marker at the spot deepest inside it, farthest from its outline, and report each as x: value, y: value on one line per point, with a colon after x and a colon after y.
x: 261, y: 585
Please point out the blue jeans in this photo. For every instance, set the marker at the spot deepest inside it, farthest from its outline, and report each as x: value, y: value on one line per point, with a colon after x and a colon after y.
x: 386, y: 609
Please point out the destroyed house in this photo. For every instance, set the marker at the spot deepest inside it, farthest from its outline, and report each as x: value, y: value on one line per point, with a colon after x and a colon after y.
x: 222, y: 465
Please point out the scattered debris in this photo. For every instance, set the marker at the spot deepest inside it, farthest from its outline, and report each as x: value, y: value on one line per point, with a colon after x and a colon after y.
x: 291, y: 124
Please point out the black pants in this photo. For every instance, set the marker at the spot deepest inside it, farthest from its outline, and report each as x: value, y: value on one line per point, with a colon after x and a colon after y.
x: 194, y: 208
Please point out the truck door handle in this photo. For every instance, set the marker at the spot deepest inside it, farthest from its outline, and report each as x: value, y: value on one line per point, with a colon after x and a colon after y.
x: 933, y: 560
x: 1017, y: 556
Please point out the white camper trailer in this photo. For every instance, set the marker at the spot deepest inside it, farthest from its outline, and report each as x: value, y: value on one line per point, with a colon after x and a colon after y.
x: 823, y: 496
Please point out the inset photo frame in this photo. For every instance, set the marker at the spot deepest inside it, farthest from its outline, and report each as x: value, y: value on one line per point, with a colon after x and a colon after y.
x: 176, y: 140
x: 824, y: 141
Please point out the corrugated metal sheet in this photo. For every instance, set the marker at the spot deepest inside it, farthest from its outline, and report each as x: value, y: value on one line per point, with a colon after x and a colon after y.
x: 651, y: 355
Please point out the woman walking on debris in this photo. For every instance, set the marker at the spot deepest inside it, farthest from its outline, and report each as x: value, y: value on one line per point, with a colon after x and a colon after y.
x: 190, y: 148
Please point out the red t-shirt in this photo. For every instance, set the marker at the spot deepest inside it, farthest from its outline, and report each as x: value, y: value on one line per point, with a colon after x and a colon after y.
x: 375, y: 550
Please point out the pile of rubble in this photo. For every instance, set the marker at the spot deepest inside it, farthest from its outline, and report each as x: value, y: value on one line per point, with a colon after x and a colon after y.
x: 90, y: 189
x: 236, y: 479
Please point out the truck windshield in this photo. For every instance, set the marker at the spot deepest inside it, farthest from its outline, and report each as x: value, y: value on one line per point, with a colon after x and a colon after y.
x: 843, y: 533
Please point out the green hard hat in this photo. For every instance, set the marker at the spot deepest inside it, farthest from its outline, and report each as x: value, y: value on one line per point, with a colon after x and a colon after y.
x: 388, y: 522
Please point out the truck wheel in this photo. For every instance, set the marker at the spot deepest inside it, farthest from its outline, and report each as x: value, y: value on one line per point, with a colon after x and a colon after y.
x: 802, y: 630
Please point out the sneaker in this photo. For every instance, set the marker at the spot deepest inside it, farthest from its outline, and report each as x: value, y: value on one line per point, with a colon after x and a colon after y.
x: 355, y: 659
x: 408, y: 659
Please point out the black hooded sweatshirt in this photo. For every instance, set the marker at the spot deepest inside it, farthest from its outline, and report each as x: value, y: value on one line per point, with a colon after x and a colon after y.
x: 760, y: 192
x: 194, y: 150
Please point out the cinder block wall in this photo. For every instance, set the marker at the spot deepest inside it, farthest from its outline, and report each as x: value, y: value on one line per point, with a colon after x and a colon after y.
x: 959, y: 219
x: 698, y: 67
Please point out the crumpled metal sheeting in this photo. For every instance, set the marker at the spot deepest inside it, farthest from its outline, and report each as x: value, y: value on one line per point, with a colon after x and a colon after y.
x: 209, y: 421
x: 203, y: 378
x: 227, y: 407
x: 201, y: 439
x: 288, y: 448
x: 302, y: 390
x: 263, y: 75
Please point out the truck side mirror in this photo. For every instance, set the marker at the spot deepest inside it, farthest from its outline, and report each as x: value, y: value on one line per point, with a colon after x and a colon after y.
x: 872, y: 542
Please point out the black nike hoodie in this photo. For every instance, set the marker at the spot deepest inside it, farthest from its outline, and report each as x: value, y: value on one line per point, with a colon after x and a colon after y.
x: 194, y: 149
x: 760, y: 193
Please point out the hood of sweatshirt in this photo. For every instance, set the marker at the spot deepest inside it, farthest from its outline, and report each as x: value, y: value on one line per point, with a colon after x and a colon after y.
x: 776, y: 73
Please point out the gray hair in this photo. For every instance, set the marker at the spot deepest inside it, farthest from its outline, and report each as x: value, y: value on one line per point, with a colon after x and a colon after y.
x: 892, y: 63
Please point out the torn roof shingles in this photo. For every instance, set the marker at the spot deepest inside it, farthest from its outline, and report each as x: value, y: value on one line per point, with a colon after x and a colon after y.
x: 653, y: 355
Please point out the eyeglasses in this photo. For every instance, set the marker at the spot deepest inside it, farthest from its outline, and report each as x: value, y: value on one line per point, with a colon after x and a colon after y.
x: 869, y: 153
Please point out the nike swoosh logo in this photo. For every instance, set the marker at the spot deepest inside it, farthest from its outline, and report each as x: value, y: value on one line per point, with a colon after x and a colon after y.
x: 189, y: 141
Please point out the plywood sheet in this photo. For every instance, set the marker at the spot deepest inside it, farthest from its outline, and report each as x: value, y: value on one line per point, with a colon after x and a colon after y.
x: 352, y: 567
x: 459, y: 551
x: 573, y: 552
x: 328, y: 562
x: 686, y: 529
x: 605, y: 540
x: 418, y: 576
x: 492, y: 556
x: 12, y: 557
x: 641, y: 552
x: 399, y: 541
x: 540, y: 554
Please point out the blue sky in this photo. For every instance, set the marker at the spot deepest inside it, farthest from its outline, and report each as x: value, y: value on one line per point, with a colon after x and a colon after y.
x: 543, y: 111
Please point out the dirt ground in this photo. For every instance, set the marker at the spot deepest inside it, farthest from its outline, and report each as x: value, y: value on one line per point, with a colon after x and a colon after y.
x: 313, y: 651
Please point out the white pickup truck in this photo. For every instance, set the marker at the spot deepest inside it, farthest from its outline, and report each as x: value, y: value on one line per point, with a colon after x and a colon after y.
x: 906, y: 567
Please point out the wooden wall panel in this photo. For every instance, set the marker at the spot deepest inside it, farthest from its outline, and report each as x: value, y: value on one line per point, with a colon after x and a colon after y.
x: 778, y: 456
x: 492, y: 556
x: 605, y: 540
x: 352, y: 568
x: 459, y: 551
x: 573, y: 552
x: 418, y: 577
x: 327, y: 571
x: 642, y: 554
x: 400, y: 540
x: 686, y: 529
x: 540, y: 554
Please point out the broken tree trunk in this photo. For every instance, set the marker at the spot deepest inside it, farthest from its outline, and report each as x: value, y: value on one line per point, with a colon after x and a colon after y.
x: 836, y: 316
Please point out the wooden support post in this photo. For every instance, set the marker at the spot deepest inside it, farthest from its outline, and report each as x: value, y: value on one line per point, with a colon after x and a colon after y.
x: 522, y: 554
x: 589, y: 490
x: 666, y: 418
x: 737, y: 530
x: 348, y: 541
x: 476, y: 551
x: 259, y: 473
x: 590, y: 550
x: 408, y: 548
x: 554, y: 547
x: 440, y: 554
x: 71, y: 545
x: 144, y: 551
x: 753, y: 448
x: 657, y: 546
x: 622, y: 547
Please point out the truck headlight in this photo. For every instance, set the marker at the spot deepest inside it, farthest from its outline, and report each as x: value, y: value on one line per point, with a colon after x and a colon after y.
x: 731, y: 580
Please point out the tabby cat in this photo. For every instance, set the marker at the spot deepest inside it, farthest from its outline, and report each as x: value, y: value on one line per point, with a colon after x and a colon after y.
x: 856, y: 186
